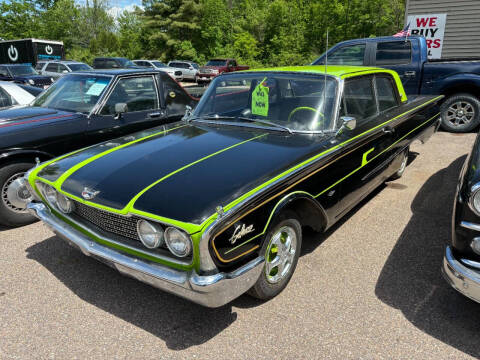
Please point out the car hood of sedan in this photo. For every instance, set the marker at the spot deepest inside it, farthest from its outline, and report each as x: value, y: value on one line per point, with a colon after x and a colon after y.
x: 14, y: 117
x: 181, y: 171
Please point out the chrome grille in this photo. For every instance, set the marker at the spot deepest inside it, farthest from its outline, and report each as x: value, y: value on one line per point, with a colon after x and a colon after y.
x: 125, y: 226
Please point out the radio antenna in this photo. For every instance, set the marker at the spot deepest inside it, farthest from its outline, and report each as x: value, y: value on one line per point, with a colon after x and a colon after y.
x: 325, y: 76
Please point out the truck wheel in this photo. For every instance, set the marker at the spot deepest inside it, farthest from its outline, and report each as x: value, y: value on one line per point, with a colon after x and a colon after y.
x: 282, y: 248
x: 460, y: 113
x: 14, y: 196
x: 399, y: 173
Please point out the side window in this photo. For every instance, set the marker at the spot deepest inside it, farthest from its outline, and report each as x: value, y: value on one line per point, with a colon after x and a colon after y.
x: 359, y: 99
x: 386, y: 95
x: 139, y: 93
x: 175, y: 97
x: 62, y: 68
x: 99, y: 63
x: 5, y: 99
x: 52, y: 67
x: 4, y: 71
x: 109, y: 63
x: 348, y: 55
x: 394, y: 53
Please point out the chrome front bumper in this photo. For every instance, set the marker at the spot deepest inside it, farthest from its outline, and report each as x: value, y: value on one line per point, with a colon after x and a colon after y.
x: 209, y: 290
x: 462, y: 278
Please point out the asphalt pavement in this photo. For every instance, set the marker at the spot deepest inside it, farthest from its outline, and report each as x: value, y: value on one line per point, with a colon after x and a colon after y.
x: 370, y: 288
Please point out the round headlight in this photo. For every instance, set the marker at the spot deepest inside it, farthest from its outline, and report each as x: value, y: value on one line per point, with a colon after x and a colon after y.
x: 31, y: 82
x: 151, y: 235
x: 475, y: 201
x: 64, y: 204
x: 48, y: 192
x: 178, y: 242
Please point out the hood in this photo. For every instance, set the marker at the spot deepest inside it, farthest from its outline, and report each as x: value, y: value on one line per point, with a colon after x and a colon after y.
x: 19, y: 116
x: 184, y: 173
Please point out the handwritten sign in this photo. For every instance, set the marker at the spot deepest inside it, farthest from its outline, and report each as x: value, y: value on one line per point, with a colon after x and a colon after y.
x: 431, y: 26
x: 260, y: 99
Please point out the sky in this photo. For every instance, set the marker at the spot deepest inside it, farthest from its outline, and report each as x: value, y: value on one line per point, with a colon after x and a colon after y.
x: 118, y: 6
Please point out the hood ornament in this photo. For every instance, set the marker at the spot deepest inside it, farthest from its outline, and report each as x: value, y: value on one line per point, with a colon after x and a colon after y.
x: 89, y: 194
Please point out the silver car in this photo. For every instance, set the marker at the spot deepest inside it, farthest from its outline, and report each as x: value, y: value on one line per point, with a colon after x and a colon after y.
x: 13, y: 94
x: 189, y: 68
x: 57, y: 68
x: 175, y: 73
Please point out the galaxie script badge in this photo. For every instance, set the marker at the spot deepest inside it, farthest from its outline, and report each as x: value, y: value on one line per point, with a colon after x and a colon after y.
x: 89, y: 194
x: 240, y: 230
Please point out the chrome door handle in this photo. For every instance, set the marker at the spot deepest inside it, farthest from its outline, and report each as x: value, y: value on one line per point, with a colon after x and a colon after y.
x: 388, y: 130
x: 410, y: 73
x: 156, y: 114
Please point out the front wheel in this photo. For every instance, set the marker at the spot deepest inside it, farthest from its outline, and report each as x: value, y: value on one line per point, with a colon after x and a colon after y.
x: 460, y: 113
x: 281, y: 248
x: 14, y: 195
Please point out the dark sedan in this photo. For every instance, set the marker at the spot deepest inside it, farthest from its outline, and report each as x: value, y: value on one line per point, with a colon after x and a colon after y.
x: 24, y: 74
x: 461, y: 264
x: 77, y: 111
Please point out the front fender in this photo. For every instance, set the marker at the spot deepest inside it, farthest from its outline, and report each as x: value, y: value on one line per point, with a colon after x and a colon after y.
x: 7, y: 155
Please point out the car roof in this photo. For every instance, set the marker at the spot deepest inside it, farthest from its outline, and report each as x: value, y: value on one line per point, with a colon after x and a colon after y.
x: 333, y: 70
x: 11, y: 65
x: 109, y: 57
x: 116, y: 72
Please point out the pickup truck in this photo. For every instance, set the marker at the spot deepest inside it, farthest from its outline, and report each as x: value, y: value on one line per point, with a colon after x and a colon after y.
x: 217, y: 66
x: 457, y: 79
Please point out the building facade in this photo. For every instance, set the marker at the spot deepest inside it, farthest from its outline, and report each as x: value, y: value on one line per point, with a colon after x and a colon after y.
x: 461, y: 29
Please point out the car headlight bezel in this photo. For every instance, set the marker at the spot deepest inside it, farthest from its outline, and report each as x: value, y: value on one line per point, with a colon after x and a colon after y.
x: 175, y: 239
x: 67, y: 207
x: 49, y: 193
x: 151, y: 235
x: 474, y: 199
x: 31, y: 82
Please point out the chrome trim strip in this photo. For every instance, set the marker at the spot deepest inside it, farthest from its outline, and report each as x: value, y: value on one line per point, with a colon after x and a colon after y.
x: 463, y: 279
x: 469, y: 225
x: 212, y: 290
x: 140, y: 250
x: 471, y: 263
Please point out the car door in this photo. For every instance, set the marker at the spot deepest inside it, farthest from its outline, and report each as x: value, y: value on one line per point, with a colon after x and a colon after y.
x: 397, y: 55
x: 366, y: 149
x: 51, y: 70
x: 139, y: 96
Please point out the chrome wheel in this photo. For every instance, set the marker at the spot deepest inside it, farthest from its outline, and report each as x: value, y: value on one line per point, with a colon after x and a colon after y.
x: 280, y: 254
x: 460, y: 113
x: 15, y: 194
x: 404, y: 163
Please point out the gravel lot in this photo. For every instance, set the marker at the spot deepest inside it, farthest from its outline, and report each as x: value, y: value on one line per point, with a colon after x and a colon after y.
x: 370, y: 288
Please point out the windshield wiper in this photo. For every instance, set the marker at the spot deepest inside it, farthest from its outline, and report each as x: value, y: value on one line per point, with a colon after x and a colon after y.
x: 265, y: 122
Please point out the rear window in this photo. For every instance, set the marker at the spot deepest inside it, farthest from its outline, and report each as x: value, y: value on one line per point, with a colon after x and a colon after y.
x: 348, y: 55
x: 393, y: 53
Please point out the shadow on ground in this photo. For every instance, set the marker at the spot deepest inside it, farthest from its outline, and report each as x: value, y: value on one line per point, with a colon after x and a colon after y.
x: 411, y: 280
x: 178, y: 322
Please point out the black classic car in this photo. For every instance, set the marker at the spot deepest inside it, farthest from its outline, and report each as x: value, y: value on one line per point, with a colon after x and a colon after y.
x: 24, y: 74
x: 264, y: 154
x: 78, y: 110
x: 461, y: 263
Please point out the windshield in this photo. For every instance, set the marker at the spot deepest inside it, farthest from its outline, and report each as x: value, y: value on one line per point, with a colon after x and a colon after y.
x: 217, y: 63
x: 79, y: 67
x: 125, y: 62
x: 74, y: 92
x: 298, y: 102
x: 195, y: 65
x: 158, y: 64
x: 22, y: 70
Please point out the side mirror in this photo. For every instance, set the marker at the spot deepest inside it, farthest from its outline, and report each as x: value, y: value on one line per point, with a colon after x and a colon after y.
x: 348, y: 123
x: 188, y: 112
x: 190, y: 67
x: 65, y: 71
x: 120, y: 108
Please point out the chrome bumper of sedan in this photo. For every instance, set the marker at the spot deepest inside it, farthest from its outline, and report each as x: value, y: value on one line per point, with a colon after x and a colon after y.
x: 462, y: 278
x: 208, y: 290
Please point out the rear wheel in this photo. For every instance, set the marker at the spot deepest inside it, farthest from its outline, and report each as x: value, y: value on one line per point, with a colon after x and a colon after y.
x: 403, y: 165
x: 460, y: 113
x: 282, y: 248
x: 14, y: 195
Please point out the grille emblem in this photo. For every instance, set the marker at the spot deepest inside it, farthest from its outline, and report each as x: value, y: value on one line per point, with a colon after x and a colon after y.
x: 89, y: 194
